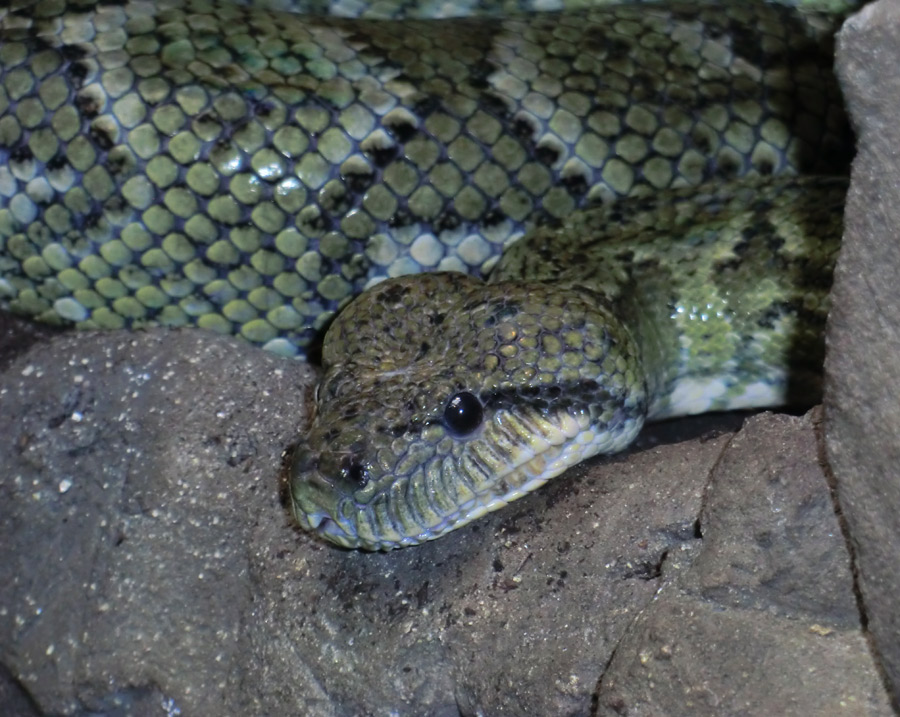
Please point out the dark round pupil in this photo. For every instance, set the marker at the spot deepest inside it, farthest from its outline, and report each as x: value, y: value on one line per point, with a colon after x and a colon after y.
x: 463, y: 414
x: 357, y: 474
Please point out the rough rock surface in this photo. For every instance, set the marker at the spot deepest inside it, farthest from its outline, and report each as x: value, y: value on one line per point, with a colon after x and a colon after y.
x: 149, y: 563
x: 126, y: 555
x: 863, y: 364
x: 766, y: 610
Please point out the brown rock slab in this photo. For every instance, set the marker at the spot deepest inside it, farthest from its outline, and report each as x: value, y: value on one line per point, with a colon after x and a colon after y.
x: 148, y: 563
x: 863, y: 363
x: 764, y: 621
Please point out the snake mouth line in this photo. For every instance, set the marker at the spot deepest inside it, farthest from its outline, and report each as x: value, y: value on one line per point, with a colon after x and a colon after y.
x: 327, y: 527
x: 530, y: 472
x: 392, y: 525
x: 344, y: 533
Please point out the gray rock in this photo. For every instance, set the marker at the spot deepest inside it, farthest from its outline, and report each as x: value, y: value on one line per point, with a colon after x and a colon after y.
x: 148, y: 562
x: 863, y: 368
x: 767, y: 608
x: 126, y: 555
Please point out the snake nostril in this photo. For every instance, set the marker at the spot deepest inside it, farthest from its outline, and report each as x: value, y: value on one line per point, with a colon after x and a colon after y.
x: 303, y: 462
x: 357, y: 474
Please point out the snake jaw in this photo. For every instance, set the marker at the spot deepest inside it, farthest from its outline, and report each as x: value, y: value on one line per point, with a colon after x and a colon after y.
x: 405, y: 513
x: 331, y: 530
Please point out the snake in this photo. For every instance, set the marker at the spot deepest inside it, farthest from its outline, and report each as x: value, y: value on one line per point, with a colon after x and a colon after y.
x: 653, y: 192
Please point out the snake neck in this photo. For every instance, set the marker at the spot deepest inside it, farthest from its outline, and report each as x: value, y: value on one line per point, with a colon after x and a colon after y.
x: 689, y: 352
x: 723, y: 289
x: 713, y: 338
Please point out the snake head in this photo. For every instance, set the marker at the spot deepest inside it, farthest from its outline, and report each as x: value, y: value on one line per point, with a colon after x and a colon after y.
x: 444, y: 398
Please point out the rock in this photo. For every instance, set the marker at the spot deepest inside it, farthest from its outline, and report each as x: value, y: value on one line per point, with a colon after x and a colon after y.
x: 863, y: 368
x: 767, y: 608
x: 148, y: 563
x: 14, y: 699
x: 17, y: 334
x: 134, y: 469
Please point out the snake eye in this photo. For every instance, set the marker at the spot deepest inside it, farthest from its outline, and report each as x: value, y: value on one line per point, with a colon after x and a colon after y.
x: 463, y: 414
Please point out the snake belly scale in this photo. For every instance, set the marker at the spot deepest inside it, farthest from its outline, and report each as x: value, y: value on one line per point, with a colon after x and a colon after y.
x: 249, y: 170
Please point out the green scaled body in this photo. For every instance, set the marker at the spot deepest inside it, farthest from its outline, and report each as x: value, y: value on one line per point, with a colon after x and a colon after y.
x: 198, y: 162
x: 724, y: 287
x: 244, y: 168
x: 445, y: 398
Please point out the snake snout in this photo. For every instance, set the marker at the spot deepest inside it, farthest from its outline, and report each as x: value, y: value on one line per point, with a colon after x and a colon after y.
x: 317, y: 497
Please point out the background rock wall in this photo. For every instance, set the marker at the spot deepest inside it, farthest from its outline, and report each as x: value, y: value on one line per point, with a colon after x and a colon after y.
x: 862, y: 397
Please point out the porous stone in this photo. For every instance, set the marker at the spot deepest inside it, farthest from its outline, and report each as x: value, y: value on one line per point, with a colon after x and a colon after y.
x: 148, y: 561
x: 862, y: 368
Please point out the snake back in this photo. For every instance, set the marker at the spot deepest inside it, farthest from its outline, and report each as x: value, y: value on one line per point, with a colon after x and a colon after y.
x: 199, y: 162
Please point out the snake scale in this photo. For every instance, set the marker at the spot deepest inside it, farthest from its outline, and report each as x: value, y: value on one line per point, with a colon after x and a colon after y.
x: 656, y: 177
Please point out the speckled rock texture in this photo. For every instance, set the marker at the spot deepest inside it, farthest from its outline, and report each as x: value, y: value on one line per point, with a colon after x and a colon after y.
x: 863, y: 364
x: 148, y: 563
x: 135, y: 467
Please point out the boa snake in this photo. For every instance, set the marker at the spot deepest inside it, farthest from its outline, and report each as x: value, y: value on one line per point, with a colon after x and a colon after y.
x: 248, y: 169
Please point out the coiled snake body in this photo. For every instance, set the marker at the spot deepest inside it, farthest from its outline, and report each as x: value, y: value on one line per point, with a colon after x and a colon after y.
x: 249, y: 170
